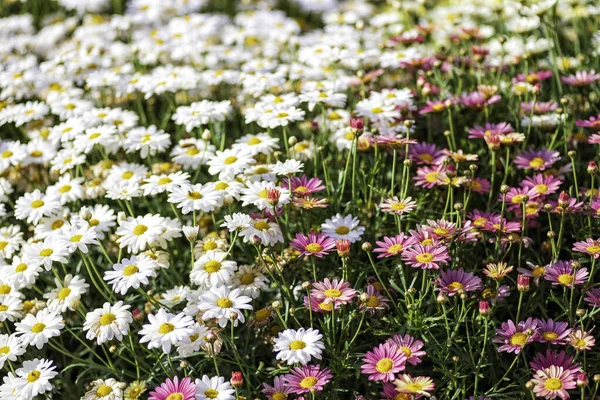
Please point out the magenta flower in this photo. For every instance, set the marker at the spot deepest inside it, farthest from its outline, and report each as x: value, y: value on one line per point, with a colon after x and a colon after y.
x: 538, y: 160
x: 592, y: 296
x: 533, y: 77
x: 410, y: 346
x: 302, y: 186
x: 278, y: 391
x: 426, y: 153
x: 426, y: 257
x: 553, y: 382
x: 538, y: 107
x: 398, y: 206
x: 183, y: 390
x: 589, y: 246
x: 557, y: 359
x: 336, y: 292
x: 594, y: 139
x: 394, y: 246
x: 592, y: 123
x: 476, y: 100
x: 563, y: 273
x: 581, y: 78
x: 374, y: 301
x: 429, y: 177
x: 383, y: 363
x: 514, y: 337
x: 307, y: 378
x: 458, y: 281
x: 542, y: 184
x: 436, y: 106
x: 316, y: 244
x: 517, y: 196
x: 319, y: 305
x: 553, y: 332
x: 482, y: 132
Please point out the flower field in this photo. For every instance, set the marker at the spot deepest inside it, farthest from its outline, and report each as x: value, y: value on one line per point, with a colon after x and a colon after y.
x: 301, y: 199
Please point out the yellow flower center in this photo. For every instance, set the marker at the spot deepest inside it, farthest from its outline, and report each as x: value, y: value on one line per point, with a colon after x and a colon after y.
x: 537, y: 162
x: 550, y: 336
x: 194, y: 195
x: 308, y: 382
x: 395, y: 248
x: 518, y: 199
x: 127, y: 175
x: 37, y: 203
x: 441, y: 231
x: 414, y: 387
x: 175, y: 396
x: 342, y: 230
x: 33, y: 376
x: 406, y: 351
x: 297, y: 345
x: 5, y: 289
x: 165, y: 181
x: 230, y: 160
x: 553, y: 384
x: 165, y: 328
x: 221, y: 186
x: 438, y: 107
x: 107, y: 319
x: 384, y: 365
x: 7, y: 154
x: 254, y: 141
x: 262, y: 314
x: 432, y: 177
x: 456, y: 286
x: 76, y: 238
x: 538, y: 271
x: 211, y: 394
x: 94, y: 222
x: 224, y: 302
x: 21, y: 267
x: 209, y: 245
x: 426, y: 157
x: 212, y: 266
x: 247, y: 279
x: 262, y: 194
x: 65, y: 189
x: 103, y: 390
x: 130, y: 270
x: 373, y: 302
x: 399, y: 206
x: 36, y: 153
x: 278, y: 396
x: 566, y: 279
x: 314, y: 248
x: 261, y: 225
x: 579, y: 343
x: 192, y: 151
x: 593, y: 249
x: 46, y: 252
x: 541, y: 188
x: 38, y: 327
x: 424, y: 257
x: 282, y: 115
x: 4, y: 350
x: 94, y: 135
x: 333, y: 293
x: 376, y: 110
x: 3, y: 307
x: 140, y: 230
x: 63, y: 293
x: 518, y: 339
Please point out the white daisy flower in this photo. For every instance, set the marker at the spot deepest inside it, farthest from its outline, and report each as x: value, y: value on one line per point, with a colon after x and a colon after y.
x: 250, y: 281
x: 261, y: 143
x: 67, y: 294
x: 105, y: 389
x: 108, y: 322
x: 79, y: 236
x: 197, y: 339
x: 138, y: 233
x: 33, y: 378
x: 268, y: 232
x: 148, y: 141
x: 343, y: 227
x: 256, y: 194
x: 281, y: 117
x: 35, y: 330
x: 20, y: 273
x: 221, y: 302
x: 165, y: 330
x: 214, y: 388
x: 10, y: 308
x: 10, y: 348
x: 131, y: 273
x: 160, y: 183
x: 195, y: 197
x: 212, y: 269
x: 236, y: 222
x: 35, y: 205
x: 52, y: 249
x: 229, y: 163
x: 298, y: 346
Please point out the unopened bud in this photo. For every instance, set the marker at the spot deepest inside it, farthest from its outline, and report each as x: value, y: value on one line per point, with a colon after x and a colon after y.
x: 358, y: 124
x: 582, y: 379
x: 407, y: 163
x: 183, y: 364
x: 522, y: 283
x: 442, y: 298
x: 306, y: 285
x: 596, y: 378
x: 237, y: 379
x: 580, y: 312
x: 276, y: 304
x: 292, y: 141
x: 233, y: 316
x: 504, y: 189
x: 86, y: 215
x: 484, y: 308
x: 206, y: 135
x: 343, y: 247
x: 366, y: 246
x: 530, y: 385
x: 592, y: 168
x: 138, y: 314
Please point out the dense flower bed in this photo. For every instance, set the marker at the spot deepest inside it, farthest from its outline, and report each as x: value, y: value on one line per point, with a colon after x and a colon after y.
x: 313, y: 199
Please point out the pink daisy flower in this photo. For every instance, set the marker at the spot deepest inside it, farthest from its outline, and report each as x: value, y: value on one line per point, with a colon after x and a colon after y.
x: 594, y: 139
x: 417, y: 385
x: 581, y: 340
x: 170, y: 389
x: 533, y: 77
x: 398, y: 206
x: 517, y: 196
x: 563, y: 273
x: 553, y: 332
x: 538, y: 107
x: 319, y: 305
x: 337, y: 292
x: 307, y: 378
x: 482, y: 132
x: 435, y: 107
x: 426, y: 153
x: 542, y: 184
x: 476, y: 100
x: 553, y: 382
x: 479, y: 185
x: 279, y: 391
x: 514, y: 337
x: 566, y: 204
x: 426, y: 257
x: 592, y: 297
x: 302, y: 186
x: 458, y: 281
x: 315, y: 244
x: 429, y: 177
x: 589, y: 246
x: 383, y: 363
x: 581, y: 78
x: 410, y: 346
x: 389, y: 393
x: 481, y: 218
x: 441, y: 228
x: 592, y: 123
x: 538, y: 160
x: 394, y: 246
x: 557, y: 359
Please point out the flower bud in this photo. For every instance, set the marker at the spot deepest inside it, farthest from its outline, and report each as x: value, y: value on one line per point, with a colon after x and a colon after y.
x: 206, y: 135
x: 358, y: 124
x: 504, y: 189
x: 343, y: 247
x: 237, y: 379
x: 582, y: 379
x: 530, y: 385
x: 596, y: 378
x: 273, y: 196
x: 563, y: 199
x: 233, y: 316
x: 442, y: 298
x: 366, y: 246
x: 292, y: 141
x: 314, y: 127
x: 137, y: 314
x: 121, y: 216
x: 484, y: 308
x: 407, y: 163
x: 364, y: 297
x: 86, y: 214
x: 580, y: 312
x: 523, y: 283
x: 306, y: 285
x: 276, y: 304
x: 592, y: 168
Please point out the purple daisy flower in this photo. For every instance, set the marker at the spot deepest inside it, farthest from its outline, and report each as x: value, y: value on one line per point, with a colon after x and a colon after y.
x: 563, y: 273
x: 592, y: 297
x: 410, y: 346
x: 302, y: 186
x: 581, y: 78
x: 426, y: 257
x: 184, y: 390
x: 515, y: 337
x: 592, y: 123
x: 315, y: 244
x: 553, y: 358
x: 538, y: 160
x: 457, y: 281
x: 383, y: 363
x: 481, y: 132
x: 307, y: 378
x: 553, y: 332
x: 476, y: 100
